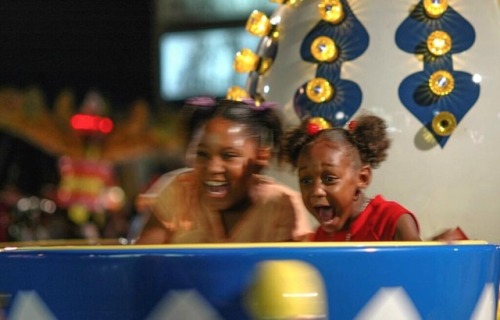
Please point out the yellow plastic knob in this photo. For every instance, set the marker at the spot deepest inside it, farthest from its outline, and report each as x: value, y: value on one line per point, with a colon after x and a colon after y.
x: 287, y: 289
x: 444, y: 123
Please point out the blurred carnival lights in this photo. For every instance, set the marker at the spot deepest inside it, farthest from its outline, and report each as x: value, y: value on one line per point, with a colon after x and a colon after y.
x: 48, y: 206
x: 288, y: 2
x: 91, y: 123
x: 237, y: 93
x: 23, y: 204
x: 258, y: 24
x: 114, y: 198
x: 247, y: 61
x: 256, y: 64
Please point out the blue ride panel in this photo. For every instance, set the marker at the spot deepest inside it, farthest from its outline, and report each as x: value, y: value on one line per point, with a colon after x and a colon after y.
x: 439, y: 281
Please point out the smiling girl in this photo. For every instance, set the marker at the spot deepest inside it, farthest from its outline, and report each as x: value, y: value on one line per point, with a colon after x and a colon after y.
x: 223, y: 198
x: 334, y: 168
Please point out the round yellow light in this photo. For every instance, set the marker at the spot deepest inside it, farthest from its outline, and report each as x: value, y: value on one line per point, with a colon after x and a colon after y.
x: 331, y: 11
x: 441, y: 83
x: 439, y: 43
x: 258, y: 24
x: 444, y: 123
x: 287, y: 289
x: 78, y: 214
x: 288, y: 2
x: 245, y: 61
x: 319, y: 90
x: 236, y: 93
x: 435, y: 8
x: 324, y: 49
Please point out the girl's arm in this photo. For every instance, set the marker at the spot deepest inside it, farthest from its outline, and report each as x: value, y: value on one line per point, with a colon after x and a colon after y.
x: 153, y: 233
x: 407, y: 229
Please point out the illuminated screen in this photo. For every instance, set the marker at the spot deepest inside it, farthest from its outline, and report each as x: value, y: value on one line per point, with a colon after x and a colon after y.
x: 200, y: 62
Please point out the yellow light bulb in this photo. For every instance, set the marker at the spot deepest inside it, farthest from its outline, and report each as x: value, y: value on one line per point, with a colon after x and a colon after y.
x: 236, y: 93
x: 444, y: 123
x: 441, y: 83
x: 324, y: 49
x: 435, y: 8
x: 258, y: 24
x: 331, y: 11
x: 288, y: 2
x: 319, y: 90
x: 439, y: 43
x: 274, y: 33
x: 245, y: 61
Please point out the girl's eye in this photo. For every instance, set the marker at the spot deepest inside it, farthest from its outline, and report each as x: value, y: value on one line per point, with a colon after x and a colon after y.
x: 305, y: 181
x: 228, y: 155
x: 201, y: 154
x: 329, y: 179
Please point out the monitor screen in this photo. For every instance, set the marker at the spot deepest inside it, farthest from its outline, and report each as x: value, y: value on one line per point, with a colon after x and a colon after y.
x: 200, y: 62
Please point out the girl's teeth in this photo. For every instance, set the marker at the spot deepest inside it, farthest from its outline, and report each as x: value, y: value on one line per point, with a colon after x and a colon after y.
x: 217, y: 188
x: 214, y: 183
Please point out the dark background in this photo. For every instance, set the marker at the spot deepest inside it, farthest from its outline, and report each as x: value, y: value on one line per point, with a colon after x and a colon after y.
x: 80, y: 45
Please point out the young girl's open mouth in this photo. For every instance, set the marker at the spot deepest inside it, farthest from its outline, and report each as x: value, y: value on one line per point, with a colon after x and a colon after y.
x: 217, y: 189
x: 327, y: 216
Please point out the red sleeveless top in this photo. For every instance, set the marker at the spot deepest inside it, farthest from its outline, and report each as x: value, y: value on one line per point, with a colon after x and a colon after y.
x: 376, y: 223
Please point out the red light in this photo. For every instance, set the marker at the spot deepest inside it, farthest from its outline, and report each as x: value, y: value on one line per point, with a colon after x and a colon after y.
x: 90, y: 123
x: 105, y: 125
x: 82, y: 122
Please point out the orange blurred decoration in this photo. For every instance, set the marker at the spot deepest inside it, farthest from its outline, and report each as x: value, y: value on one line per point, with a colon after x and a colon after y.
x: 89, y: 144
